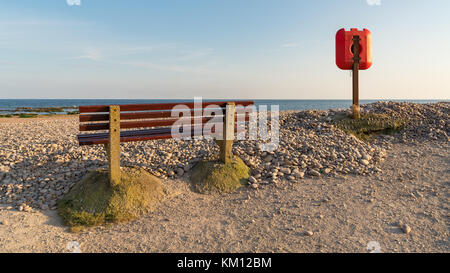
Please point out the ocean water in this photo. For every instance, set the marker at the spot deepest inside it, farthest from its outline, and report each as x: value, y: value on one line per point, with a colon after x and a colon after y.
x: 9, y: 105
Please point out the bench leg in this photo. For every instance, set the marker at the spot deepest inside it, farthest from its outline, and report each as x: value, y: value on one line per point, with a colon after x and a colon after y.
x: 226, y: 144
x: 226, y: 150
x: 113, y: 147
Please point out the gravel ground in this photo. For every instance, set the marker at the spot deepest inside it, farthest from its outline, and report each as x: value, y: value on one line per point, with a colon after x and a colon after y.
x: 321, y: 190
x: 340, y: 214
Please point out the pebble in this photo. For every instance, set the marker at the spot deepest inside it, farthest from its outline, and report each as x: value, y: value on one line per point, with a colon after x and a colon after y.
x: 252, y: 180
x: 309, y: 233
x: 365, y: 162
x: 299, y: 174
x: 406, y: 228
x: 180, y: 172
x: 268, y: 158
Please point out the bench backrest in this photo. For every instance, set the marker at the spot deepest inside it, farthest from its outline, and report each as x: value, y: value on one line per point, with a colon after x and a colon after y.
x: 96, y: 117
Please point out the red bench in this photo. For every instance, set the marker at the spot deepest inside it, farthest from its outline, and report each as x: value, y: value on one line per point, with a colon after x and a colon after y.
x: 154, y: 121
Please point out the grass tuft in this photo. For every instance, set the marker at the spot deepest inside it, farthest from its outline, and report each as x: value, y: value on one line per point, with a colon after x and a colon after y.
x: 94, y: 202
x: 217, y: 177
x: 27, y: 115
x: 370, y: 124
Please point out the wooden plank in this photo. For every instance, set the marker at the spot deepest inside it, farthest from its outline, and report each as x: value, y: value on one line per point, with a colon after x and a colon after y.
x: 135, y: 124
x: 129, y: 115
x: 128, y: 133
x: 103, y: 138
x: 143, y: 123
x: 154, y: 106
x: 160, y: 130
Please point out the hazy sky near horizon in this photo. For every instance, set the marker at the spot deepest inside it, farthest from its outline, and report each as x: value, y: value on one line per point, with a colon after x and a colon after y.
x: 261, y: 49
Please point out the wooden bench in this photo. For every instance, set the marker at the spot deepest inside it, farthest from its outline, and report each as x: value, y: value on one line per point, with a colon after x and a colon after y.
x: 155, y: 121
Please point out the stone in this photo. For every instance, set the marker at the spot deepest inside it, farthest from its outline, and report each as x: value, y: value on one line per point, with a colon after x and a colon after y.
x: 252, y: 180
x: 180, y: 172
x: 365, y: 162
x: 406, y: 228
x: 297, y: 173
x: 285, y: 170
x: 314, y: 173
x: 268, y: 158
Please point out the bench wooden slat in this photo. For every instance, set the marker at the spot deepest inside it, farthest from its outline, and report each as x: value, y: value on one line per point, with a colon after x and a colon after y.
x: 128, y: 116
x: 136, y: 132
x: 144, y: 123
x: 105, y: 140
x: 135, y: 135
x: 154, y: 107
x: 127, y: 133
x: 135, y: 124
x: 128, y: 136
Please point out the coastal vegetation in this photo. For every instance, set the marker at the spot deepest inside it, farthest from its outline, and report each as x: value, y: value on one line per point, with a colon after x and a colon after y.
x: 370, y: 124
x: 27, y: 112
x: 93, y: 201
x: 217, y: 177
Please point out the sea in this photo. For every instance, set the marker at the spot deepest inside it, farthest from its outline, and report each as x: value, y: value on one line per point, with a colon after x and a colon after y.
x: 8, y: 106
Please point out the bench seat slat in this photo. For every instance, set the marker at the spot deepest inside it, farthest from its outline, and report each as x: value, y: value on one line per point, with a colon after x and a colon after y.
x: 127, y: 136
x: 143, y: 123
x: 134, y: 124
x: 128, y: 133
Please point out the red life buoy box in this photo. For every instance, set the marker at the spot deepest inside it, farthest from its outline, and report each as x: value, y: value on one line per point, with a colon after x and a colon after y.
x: 344, y: 43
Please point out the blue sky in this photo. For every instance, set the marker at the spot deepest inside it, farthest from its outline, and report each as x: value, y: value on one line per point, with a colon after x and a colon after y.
x: 262, y: 49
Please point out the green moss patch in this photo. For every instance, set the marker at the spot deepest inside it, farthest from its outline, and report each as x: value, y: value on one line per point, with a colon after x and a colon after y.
x: 93, y: 201
x: 40, y: 109
x: 370, y: 124
x: 217, y: 177
x: 27, y: 115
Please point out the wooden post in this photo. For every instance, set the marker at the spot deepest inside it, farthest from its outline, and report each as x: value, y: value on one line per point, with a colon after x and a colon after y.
x: 355, y: 105
x: 226, y: 144
x: 113, y: 147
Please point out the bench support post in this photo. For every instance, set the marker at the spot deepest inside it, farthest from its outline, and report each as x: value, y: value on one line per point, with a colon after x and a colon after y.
x: 113, y: 147
x: 226, y: 144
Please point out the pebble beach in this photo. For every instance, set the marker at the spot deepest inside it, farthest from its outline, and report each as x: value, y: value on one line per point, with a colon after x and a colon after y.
x: 40, y: 159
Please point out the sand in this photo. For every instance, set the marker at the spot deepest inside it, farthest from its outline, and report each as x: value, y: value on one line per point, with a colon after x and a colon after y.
x: 328, y: 214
